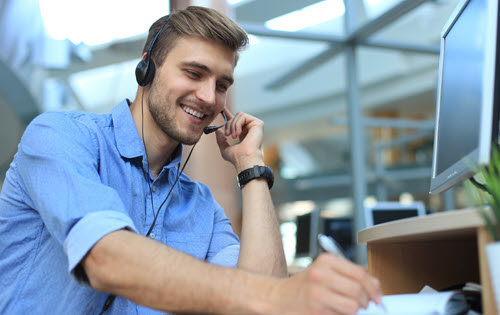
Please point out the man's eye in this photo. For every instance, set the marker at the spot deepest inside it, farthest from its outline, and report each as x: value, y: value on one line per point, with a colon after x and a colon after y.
x: 193, y: 74
x: 222, y: 87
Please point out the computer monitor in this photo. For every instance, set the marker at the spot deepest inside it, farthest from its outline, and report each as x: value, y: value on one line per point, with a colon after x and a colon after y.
x: 306, y: 234
x: 341, y: 230
x: 467, y: 97
x: 303, y: 236
x: 387, y: 211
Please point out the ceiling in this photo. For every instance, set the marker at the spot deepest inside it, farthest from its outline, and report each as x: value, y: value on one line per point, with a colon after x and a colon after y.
x: 310, y: 64
x: 260, y: 11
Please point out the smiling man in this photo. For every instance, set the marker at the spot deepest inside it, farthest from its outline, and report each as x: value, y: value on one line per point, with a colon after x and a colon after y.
x: 97, y: 217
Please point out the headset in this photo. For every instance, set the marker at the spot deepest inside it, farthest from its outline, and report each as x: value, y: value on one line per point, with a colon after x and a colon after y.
x: 145, y: 70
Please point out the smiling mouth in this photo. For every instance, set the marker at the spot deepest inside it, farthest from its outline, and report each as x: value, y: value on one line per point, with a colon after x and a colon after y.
x: 193, y: 112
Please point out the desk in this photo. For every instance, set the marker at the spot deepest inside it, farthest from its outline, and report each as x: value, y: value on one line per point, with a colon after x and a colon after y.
x: 439, y: 250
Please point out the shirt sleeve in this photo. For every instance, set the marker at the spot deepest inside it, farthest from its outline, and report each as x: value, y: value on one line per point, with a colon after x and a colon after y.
x: 225, y: 245
x: 58, y: 164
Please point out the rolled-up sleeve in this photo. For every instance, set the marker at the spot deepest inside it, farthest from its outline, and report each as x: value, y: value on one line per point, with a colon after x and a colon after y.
x: 227, y: 257
x: 90, y: 229
x: 225, y: 245
x: 60, y: 160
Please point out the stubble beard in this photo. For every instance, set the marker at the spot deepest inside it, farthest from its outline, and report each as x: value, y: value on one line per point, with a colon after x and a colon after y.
x: 164, y: 117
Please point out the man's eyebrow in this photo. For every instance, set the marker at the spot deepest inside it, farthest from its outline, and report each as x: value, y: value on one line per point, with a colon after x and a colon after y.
x: 208, y: 70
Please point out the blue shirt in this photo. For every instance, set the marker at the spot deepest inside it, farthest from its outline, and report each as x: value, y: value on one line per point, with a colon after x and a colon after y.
x: 76, y: 177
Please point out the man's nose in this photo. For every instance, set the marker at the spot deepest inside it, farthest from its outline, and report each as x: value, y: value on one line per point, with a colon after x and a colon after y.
x: 206, y: 92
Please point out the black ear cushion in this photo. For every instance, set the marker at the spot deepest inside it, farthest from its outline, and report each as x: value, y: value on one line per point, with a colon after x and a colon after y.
x: 145, y: 72
x: 150, y: 73
x: 140, y: 71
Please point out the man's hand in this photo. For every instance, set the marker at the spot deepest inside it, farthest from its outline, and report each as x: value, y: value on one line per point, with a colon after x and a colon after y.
x: 330, y: 285
x: 247, y: 152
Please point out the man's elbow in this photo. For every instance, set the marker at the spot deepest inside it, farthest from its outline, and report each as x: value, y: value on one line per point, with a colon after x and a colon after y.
x: 97, y: 271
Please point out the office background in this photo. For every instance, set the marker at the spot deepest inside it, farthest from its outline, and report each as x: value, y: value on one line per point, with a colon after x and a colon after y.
x: 346, y: 89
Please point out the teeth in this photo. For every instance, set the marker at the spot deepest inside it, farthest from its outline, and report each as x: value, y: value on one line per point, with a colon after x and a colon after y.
x: 192, y: 112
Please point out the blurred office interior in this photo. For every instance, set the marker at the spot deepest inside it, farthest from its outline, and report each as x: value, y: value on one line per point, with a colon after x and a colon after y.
x: 346, y: 89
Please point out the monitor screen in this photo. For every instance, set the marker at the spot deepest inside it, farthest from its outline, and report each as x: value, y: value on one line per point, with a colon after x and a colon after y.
x: 341, y: 230
x: 387, y: 215
x: 303, y: 236
x: 466, y: 118
x: 387, y: 211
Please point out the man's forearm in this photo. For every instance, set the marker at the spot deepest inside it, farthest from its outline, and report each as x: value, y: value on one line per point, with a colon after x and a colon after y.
x: 154, y: 275
x: 261, y: 247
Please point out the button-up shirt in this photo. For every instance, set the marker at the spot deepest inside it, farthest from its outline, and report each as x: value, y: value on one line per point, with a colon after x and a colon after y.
x: 76, y: 177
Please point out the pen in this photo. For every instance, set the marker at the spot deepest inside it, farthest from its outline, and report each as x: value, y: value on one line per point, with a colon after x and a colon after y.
x: 330, y: 245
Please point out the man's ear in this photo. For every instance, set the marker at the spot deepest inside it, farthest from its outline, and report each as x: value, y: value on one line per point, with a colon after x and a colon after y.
x: 144, y: 56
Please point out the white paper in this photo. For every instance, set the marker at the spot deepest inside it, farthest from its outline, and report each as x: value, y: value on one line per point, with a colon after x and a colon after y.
x: 440, y: 303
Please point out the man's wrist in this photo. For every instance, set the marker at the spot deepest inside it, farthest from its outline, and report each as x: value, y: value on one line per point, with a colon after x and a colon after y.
x: 247, y: 163
x: 263, y: 301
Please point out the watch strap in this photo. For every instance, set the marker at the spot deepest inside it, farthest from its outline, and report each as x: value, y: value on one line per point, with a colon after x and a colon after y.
x: 257, y: 171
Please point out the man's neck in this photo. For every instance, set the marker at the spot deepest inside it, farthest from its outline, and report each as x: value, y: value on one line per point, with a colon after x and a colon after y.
x: 159, y: 146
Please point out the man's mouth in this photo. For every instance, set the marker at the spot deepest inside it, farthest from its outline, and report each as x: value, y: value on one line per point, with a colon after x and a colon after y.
x: 193, y: 112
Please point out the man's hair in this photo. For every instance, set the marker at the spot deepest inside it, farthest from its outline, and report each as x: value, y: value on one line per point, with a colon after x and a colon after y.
x: 197, y: 22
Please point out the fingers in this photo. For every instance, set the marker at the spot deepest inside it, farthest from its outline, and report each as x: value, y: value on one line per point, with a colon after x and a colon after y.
x: 228, y: 113
x: 373, y: 288
x: 330, y: 285
x: 240, y: 124
x: 336, y: 292
x: 221, y: 140
x: 370, y: 286
x: 235, y: 125
x: 351, y: 284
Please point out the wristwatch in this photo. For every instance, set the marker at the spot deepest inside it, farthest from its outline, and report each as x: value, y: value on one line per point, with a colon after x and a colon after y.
x: 256, y: 172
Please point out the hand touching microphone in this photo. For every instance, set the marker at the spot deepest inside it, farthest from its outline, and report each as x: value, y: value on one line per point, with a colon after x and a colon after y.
x: 249, y: 130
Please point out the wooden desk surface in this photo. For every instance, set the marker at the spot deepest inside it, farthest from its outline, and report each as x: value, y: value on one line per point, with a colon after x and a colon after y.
x: 438, y: 249
x: 443, y: 225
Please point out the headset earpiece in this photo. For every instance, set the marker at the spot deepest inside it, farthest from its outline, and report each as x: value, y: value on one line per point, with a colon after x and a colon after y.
x: 145, y: 71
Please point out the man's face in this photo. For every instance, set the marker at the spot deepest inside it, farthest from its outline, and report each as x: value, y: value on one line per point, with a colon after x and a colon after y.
x: 189, y: 89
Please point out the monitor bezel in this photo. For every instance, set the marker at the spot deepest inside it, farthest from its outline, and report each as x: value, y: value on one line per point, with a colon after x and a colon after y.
x: 480, y: 155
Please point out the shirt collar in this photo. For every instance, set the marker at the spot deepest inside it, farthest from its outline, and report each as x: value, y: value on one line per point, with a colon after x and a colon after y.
x: 128, y: 141
x: 175, y: 158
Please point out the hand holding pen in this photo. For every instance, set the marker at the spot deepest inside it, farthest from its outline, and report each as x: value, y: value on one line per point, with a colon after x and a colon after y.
x: 329, y: 245
x: 329, y: 285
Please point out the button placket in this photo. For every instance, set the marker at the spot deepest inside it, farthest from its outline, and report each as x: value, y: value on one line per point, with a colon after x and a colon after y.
x: 157, y: 200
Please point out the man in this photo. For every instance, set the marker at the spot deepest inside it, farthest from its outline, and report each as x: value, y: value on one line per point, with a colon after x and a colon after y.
x: 84, y: 189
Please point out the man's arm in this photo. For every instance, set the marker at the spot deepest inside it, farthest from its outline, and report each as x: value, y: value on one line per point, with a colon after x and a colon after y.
x: 156, y: 276
x: 261, y: 248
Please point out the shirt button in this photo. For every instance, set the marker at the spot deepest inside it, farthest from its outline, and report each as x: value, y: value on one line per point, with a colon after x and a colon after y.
x: 152, y: 235
x: 154, y: 188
